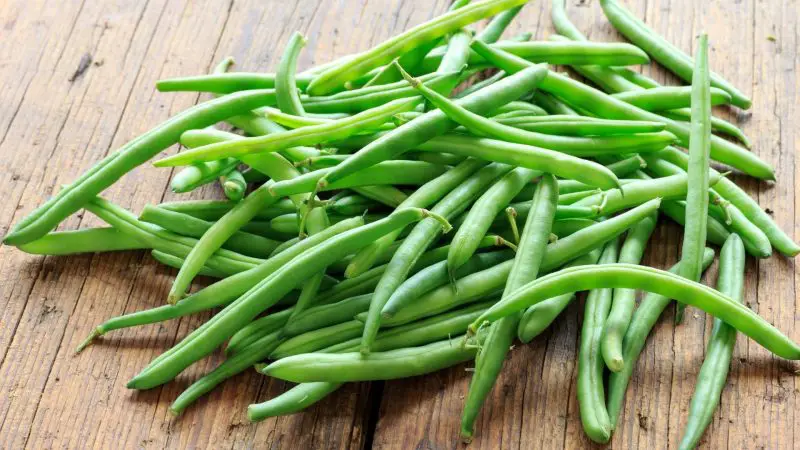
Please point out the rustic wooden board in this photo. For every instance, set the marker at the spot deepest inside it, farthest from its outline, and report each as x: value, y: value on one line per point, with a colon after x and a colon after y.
x: 55, y: 123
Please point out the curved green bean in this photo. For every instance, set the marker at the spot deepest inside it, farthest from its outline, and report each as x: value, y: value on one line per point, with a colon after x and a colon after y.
x: 286, y: 95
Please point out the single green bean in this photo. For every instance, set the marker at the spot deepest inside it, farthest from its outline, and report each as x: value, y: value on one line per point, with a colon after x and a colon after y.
x: 694, y: 230
x: 479, y: 218
x: 591, y: 394
x: 286, y: 95
x: 714, y: 371
x: 392, y: 364
x: 294, y: 400
x: 717, y: 124
x: 624, y: 300
x: 320, y: 338
x: 670, y: 97
x: 88, y: 240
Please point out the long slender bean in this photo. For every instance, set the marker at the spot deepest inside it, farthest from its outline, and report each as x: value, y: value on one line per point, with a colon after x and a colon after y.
x: 694, y: 230
x: 591, y: 393
x: 286, y: 95
x: 624, y: 300
x: 88, y: 240
x: 714, y: 371
x: 671, y: 97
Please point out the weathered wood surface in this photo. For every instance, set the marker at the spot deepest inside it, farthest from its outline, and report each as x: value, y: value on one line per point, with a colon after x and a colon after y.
x: 56, y: 121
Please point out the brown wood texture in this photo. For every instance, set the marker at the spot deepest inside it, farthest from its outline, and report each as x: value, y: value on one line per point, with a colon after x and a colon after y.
x: 57, y: 121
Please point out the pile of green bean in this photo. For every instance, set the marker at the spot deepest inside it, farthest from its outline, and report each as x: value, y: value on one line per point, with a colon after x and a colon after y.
x: 333, y: 251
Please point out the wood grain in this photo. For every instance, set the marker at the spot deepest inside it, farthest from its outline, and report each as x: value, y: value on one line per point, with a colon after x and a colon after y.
x: 56, y: 121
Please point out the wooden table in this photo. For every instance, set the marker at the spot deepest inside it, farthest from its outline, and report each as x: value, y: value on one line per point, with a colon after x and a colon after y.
x: 77, y: 81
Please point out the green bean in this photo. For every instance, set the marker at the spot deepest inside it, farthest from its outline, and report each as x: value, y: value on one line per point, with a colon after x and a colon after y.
x: 225, y: 83
x: 315, y: 340
x: 582, y: 128
x: 644, y: 318
x: 417, y: 333
x: 241, y: 241
x: 203, y: 340
x: 621, y: 168
x: 569, y: 199
x: 662, y: 51
x: 191, y: 177
x: 539, y: 316
x: 395, y: 172
x: 636, y: 78
x: 176, y: 262
x: 631, y: 276
x: 383, y: 53
x: 638, y: 192
x: 553, y: 105
x: 98, y: 178
x: 712, y: 375
x: 423, y: 197
x: 527, y: 156
x: 388, y: 195
x: 351, y: 205
x: 556, y: 53
x: 479, y: 84
x: 286, y: 94
x: 223, y: 291
x: 717, y: 124
x: 433, y: 123
x: 694, y: 230
x: 439, y: 158
x: 392, y: 364
x: 311, y: 135
x: 480, y: 216
x: 436, y: 275
x: 255, y: 330
x: 494, y: 29
x: 233, y: 185
x: 215, y: 236
x: 605, y: 106
x: 486, y: 282
x: 290, y: 223
x: 291, y: 121
x: 671, y: 97
x: 525, y: 268
x: 88, y: 240
x: 237, y: 363
x: 591, y: 396
x: 420, y: 238
x: 294, y: 400
x: 517, y: 106
x: 624, y: 300
x: 327, y: 314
